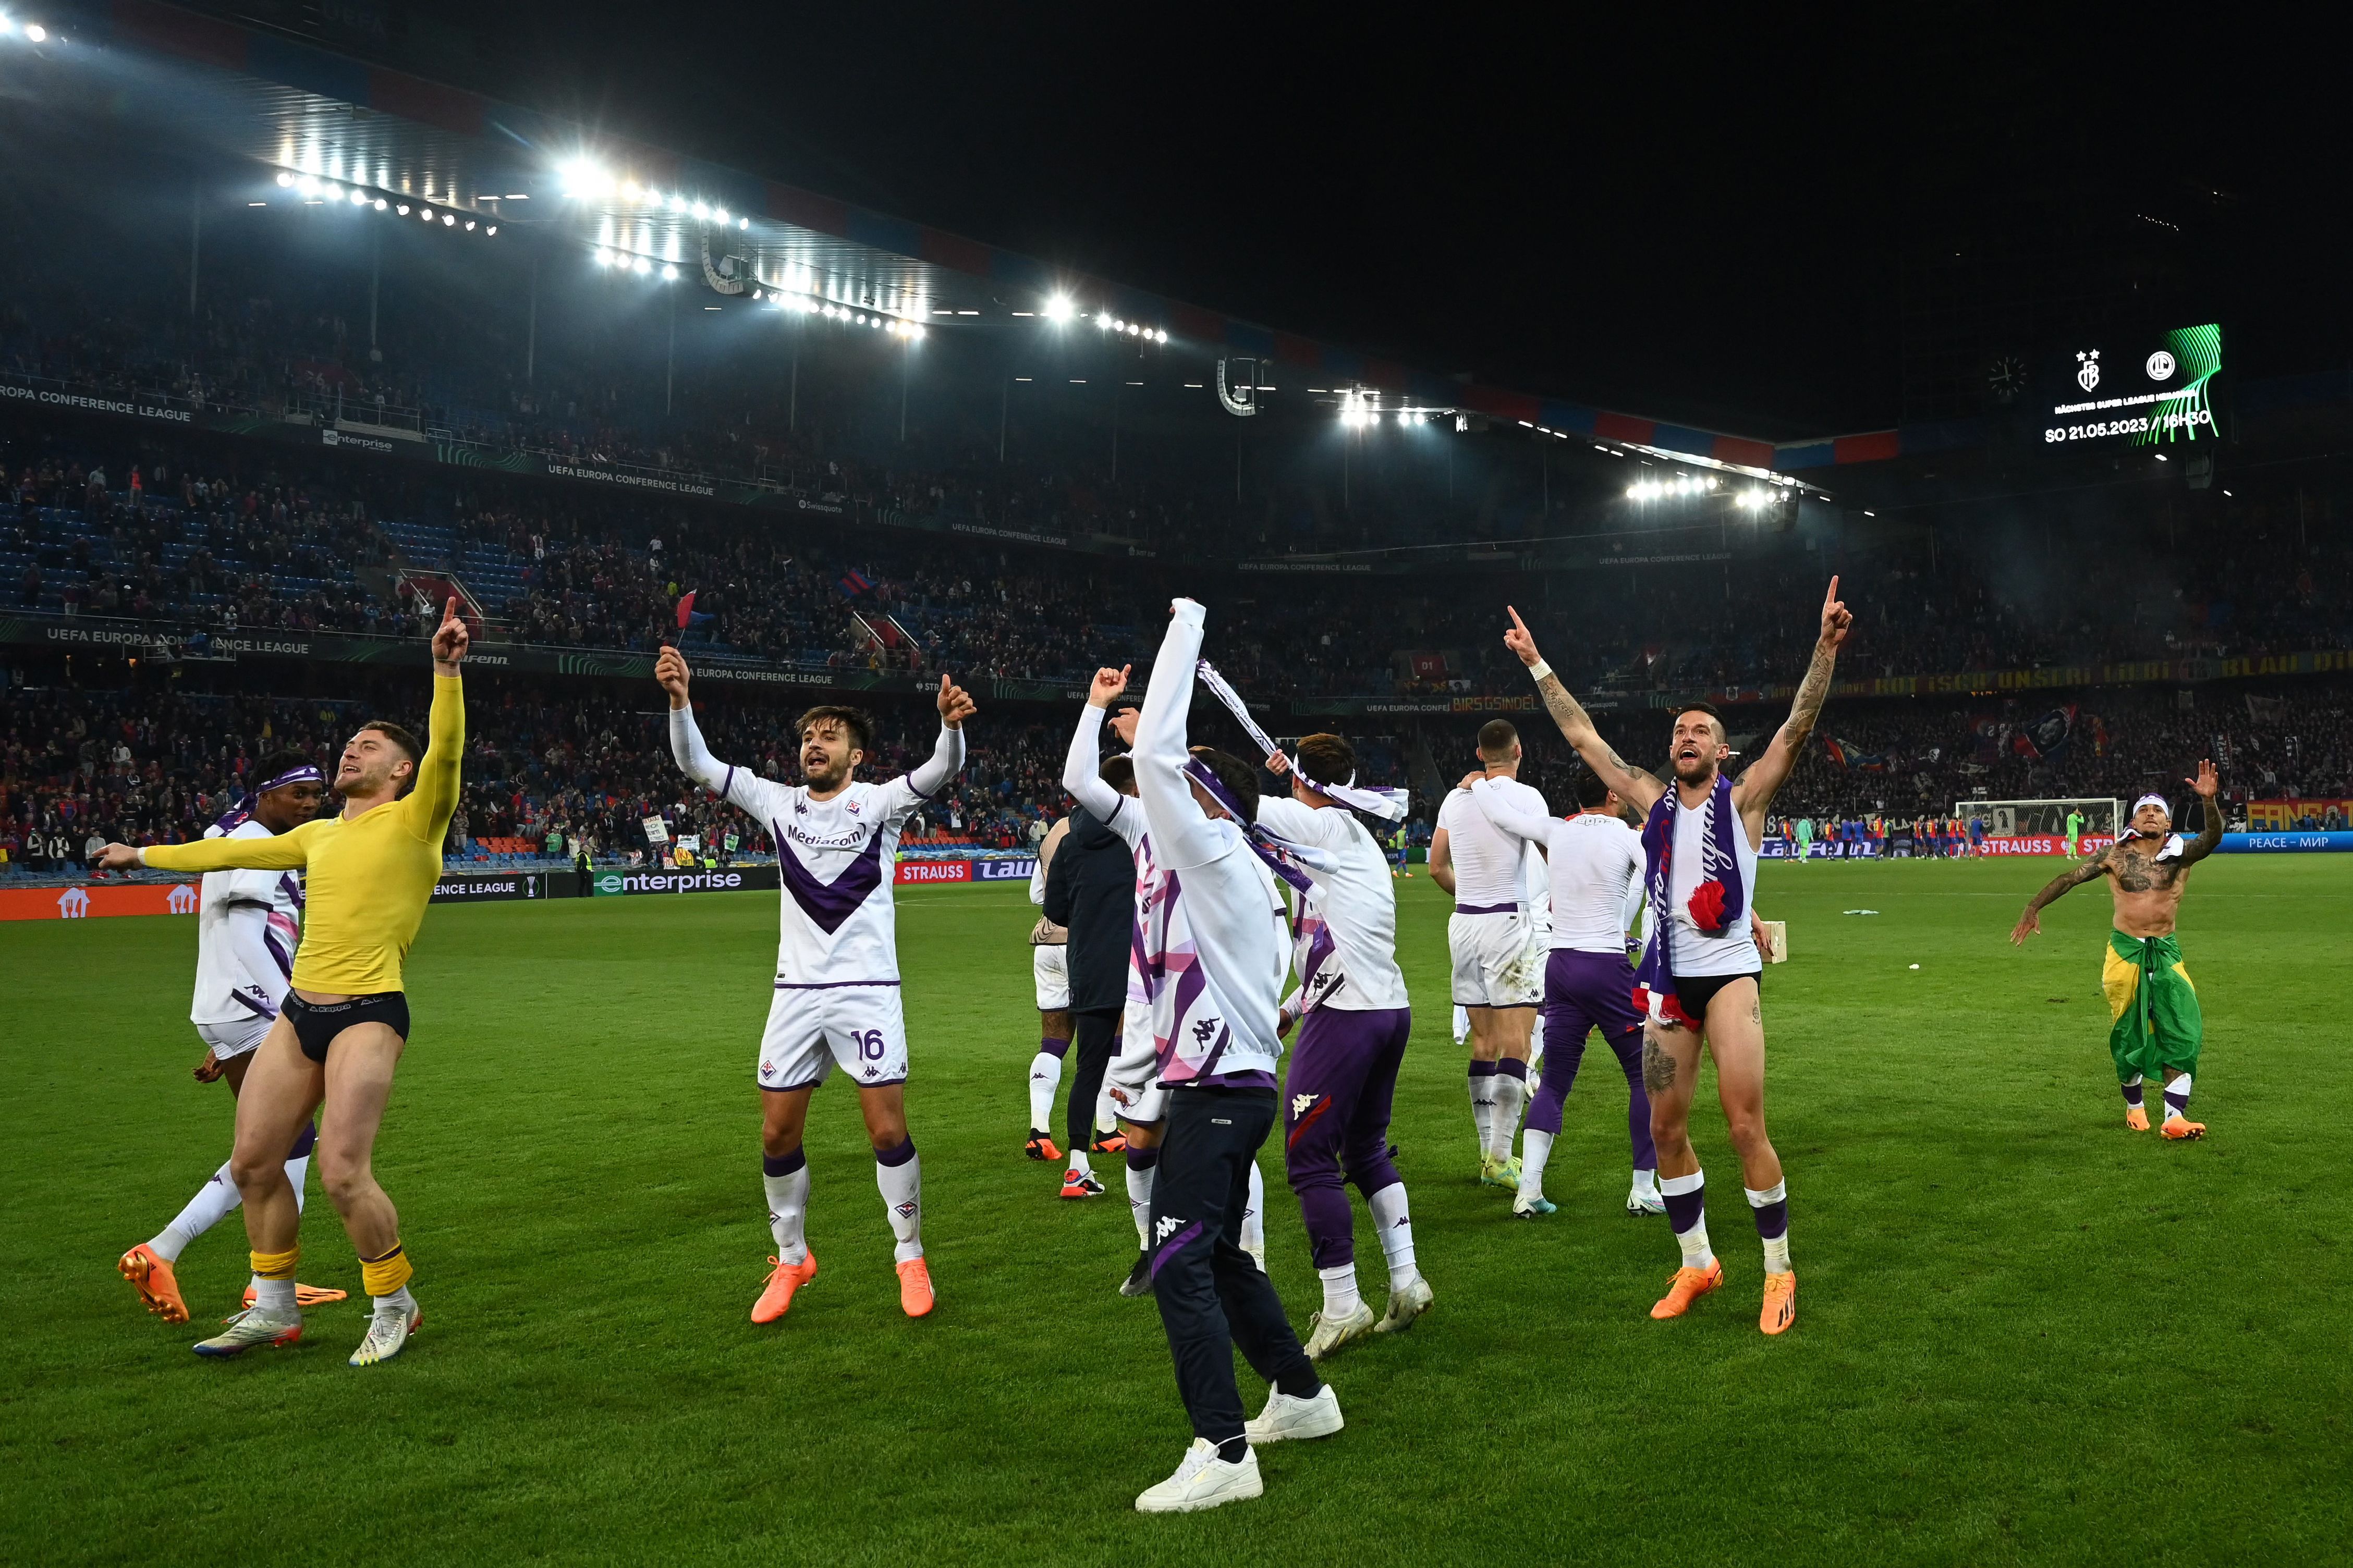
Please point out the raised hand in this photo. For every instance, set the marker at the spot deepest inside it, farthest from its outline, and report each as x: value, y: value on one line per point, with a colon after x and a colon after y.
x: 449, y: 642
x: 2207, y: 782
x: 1519, y: 640
x: 672, y: 675
x: 955, y: 704
x: 1837, y: 619
x: 1123, y: 724
x: 1277, y: 764
x: 1105, y: 689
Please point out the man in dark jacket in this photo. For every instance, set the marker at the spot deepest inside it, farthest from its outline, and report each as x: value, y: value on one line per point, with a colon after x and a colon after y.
x: 1091, y: 891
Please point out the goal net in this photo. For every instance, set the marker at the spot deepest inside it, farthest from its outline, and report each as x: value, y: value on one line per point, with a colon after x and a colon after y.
x: 2012, y: 818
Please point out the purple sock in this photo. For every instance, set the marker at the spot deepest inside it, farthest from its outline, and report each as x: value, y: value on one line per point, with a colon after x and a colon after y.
x: 2176, y: 1099
x: 1772, y: 1220
x: 2133, y: 1094
x: 1685, y: 1210
x: 899, y: 1156
x: 1049, y: 1046
x: 1141, y: 1159
x: 1511, y: 1066
x: 782, y: 1164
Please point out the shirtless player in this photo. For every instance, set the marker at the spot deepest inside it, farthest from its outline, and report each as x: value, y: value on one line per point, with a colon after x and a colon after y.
x: 2154, y: 1022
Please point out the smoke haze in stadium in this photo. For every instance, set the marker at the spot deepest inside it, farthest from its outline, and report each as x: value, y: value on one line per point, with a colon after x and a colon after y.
x: 1745, y: 226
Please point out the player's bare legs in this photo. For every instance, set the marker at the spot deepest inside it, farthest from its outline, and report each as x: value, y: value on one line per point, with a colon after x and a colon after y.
x: 280, y: 1089
x: 1670, y: 1076
x: 1735, y: 1038
x: 898, y: 1174
x: 1499, y: 1086
x: 359, y: 1071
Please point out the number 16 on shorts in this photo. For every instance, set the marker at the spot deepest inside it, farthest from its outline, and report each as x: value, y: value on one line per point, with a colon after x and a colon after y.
x: 812, y: 1029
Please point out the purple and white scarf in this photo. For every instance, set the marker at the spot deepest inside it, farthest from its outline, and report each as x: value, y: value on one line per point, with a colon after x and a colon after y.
x: 1388, y: 805
x: 1719, y: 901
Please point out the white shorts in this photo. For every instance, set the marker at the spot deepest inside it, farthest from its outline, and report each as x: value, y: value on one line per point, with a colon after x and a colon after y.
x: 1133, y: 1076
x: 1049, y: 965
x: 811, y: 1027
x: 236, y: 1038
x: 1498, y: 960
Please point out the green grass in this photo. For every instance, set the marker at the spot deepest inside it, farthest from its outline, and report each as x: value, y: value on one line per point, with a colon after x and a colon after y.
x: 2025, y: 1334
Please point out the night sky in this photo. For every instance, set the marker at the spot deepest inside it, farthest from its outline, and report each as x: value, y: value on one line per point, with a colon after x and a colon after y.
x: 1719, y: 225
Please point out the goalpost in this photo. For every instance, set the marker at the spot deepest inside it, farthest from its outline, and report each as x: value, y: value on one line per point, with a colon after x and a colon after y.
x: 2012, y: 818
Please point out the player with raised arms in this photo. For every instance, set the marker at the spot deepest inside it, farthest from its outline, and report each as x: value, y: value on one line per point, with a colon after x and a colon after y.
x: 369, y: 873
x: 1214, y: 965
x: 2155, y: 1024
x: 837, y: 987
x: 248, y: 924
x: 1699, y: 977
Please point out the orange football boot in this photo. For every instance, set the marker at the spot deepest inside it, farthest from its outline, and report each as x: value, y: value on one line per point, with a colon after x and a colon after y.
x: 2136, y: 1117
x: 915, y: 1289
x: 1112, y: 1142
x: 1780, y: 1302
x: 2182, y: 1127
x: 1041, y: 1147
x: 151, y: 1275
x: 1688, y: 1286
x: 783, y: 1281
x: 304, y: 1296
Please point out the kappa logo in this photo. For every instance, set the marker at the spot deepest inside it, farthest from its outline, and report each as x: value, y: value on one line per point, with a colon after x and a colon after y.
x: 905, y: 1210
x: 1402, y: 1223
x: 1204, y: 1029
x: 1169, y: 1227
x: 1299, y: 1104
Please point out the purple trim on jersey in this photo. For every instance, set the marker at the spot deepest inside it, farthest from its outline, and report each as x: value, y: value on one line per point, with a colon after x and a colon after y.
x: 1256, y: 1077
x: 291, y: 886
x: 828, y: 904
x: 1486, y: 909
x: 1176, y: 1244
x: 919, y: 795
x: 257, y: 1008
x: 828, y: 985
x: 728, y: 782
x: 787, y: 1088
x: 284, y: 960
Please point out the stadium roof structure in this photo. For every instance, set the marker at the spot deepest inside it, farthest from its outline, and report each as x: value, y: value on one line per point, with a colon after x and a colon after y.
x: 299, y: 109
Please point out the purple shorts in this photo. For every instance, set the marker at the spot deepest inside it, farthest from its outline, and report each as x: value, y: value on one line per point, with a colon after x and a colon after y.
x: 1587, y: 991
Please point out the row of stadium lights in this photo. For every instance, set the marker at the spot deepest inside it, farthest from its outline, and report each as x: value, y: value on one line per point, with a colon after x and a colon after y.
x: 1750, y: 499
x: 34, y: 32
x: 328, y: 191
x: 783, y: 298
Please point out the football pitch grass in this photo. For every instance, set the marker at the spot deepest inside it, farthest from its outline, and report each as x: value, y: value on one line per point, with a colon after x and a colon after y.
x: 2024, y: 1334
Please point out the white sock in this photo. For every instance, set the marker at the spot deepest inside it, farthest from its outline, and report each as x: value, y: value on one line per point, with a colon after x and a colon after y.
x: 1646, y: 1183
x: 1139, y: 1202
x: 399, y: 1301
x: 1045, y: 1078
x: 1106, y: 1111
x: 214, y: 1202
x: 1340, y: 1296
x: 1254, y: 1215
x: 1536, y: 1148
x: 902, y: 1199
x: 1078, y: 1162
x: 787, y: 1207
x: 1482, y: 1107
x: 274, y: 1295
x: 1395, y: 1225
x: 1696, y: 1252
x: 1503, y: 1122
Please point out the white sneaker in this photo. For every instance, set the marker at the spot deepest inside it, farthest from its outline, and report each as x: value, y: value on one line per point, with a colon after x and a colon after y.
x: 1640, y: 1201
x: 1203, y: 1481
x: 1330, y: 1333
x: 1405, y: 1306
x: 387, y: 1335
x: 1285, y: 1418
x: 251, y: 1328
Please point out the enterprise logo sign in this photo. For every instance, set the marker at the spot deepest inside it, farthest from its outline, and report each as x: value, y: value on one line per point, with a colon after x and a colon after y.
x: 611, y: 882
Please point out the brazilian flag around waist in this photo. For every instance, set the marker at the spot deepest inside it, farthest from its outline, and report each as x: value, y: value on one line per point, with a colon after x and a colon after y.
x: 2154, y: 1021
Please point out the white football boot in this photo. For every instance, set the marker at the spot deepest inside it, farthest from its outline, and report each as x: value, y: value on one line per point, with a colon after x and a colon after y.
x: 1330, y: 1334
x: 251, y: 1328
x: 387, y: 1334
x: 1405, y: 1306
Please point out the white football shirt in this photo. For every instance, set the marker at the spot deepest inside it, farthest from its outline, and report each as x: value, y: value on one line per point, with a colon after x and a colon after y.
x: 1490, y: 865
x: 248, y: 926
x: 1345, y: 943
x: 1595, y: 863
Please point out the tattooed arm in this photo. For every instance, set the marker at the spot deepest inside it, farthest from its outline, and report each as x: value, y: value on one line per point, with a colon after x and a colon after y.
x: 2210, y: 837
x: 2030, y: 921
x: 1633, y: 784
x: 1763, y: 778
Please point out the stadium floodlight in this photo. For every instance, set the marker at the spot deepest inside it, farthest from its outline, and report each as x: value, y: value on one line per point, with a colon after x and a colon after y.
x: 1058, y: 309
x: 701, y: 211
x: 742, y: 222
x: 36, y: 32
x: 401, y: 210
x: 601, y: 257
x: 1161, y: 335
x: 641, y: 266
x: 490, y: 231
x: 359, y: 198
x: 450, y: 220
x: 670, y: 273
x: 718, y: 213
x: 285, y: 178
x: 469, y: 225
x: 380, y: 204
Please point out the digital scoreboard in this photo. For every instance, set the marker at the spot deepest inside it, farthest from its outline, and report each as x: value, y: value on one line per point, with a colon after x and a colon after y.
x: 2147, y: 389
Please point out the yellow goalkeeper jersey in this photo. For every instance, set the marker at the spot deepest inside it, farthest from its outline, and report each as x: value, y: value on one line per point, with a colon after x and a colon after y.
x: 367, y: 878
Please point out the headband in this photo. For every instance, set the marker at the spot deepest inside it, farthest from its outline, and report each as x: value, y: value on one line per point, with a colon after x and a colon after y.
x: 1286, y: 860
x: 242, y: 813
x: 1388, y: 805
